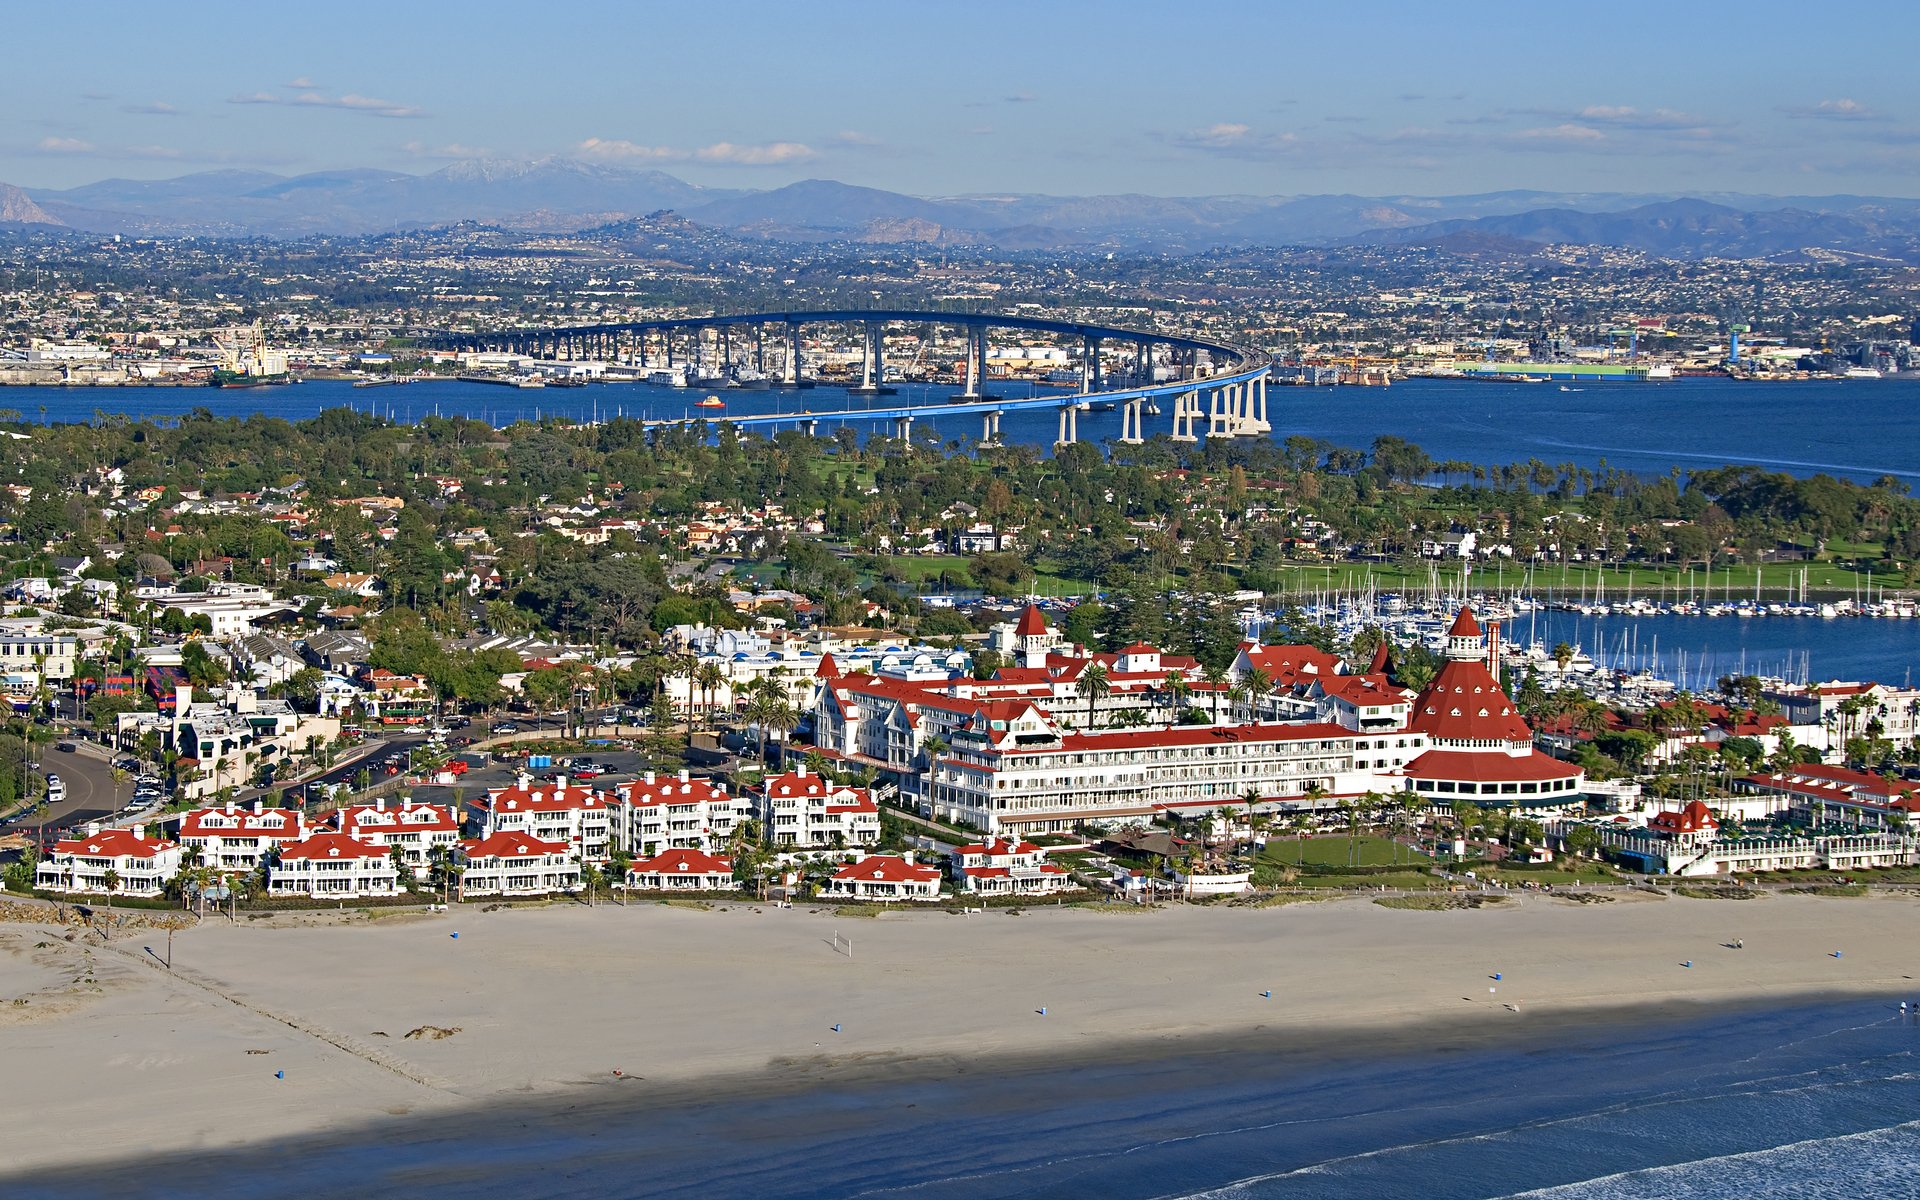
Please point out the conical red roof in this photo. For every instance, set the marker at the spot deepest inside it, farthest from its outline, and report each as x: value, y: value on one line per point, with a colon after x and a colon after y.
x: 828, y: 669
x: 1380, y: 659
x: 1465, y: 704
x: 1465, y: 625
x: 1033, y: 623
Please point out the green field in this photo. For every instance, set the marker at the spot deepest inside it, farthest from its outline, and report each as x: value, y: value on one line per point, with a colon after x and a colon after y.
x: 1778, y: 581
x: 1334, y: 852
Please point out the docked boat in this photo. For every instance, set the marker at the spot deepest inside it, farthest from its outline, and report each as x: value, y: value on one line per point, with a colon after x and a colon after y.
x: 667, y: 377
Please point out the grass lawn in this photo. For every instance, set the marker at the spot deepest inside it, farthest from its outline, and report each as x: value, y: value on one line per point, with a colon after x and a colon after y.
x: 1409, y: 880
x: 1333, y: 852
x: 1777, y: 580
x: 1584, y: 873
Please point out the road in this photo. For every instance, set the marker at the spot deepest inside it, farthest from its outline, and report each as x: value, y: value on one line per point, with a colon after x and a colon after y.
x: 91, y: 793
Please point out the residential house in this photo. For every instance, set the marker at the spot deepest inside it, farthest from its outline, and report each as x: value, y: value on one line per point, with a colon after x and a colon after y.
x: 141, y: 865
x: 330, y: 866
x: 681, y: 870
x: 417, y: 829
x: 509, y: 863
x: 885, y: 877
x: 999, y: 867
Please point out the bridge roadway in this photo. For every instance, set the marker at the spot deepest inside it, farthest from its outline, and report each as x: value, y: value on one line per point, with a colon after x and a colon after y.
x: 1230, y: 402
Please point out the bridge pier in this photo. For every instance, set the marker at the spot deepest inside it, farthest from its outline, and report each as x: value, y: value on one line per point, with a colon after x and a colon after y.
x: 1089, y: 365
x: 903, y: 429
x: 976, y: 385
x: 990, y: 428
x: 1186, y: 416
x: 873, y: 364
x: 811, y: 428
x: 1131, y: 415
x: 793, y: 377
x: 1219, y: 413
x: 1069, y: 425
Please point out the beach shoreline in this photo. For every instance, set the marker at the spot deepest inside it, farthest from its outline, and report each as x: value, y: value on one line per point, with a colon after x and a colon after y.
x: 394, y: 1029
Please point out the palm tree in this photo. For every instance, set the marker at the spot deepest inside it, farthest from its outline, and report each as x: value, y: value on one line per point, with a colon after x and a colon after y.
x: 110, y: 878
x: 709, y: 678
x: 1093, y: 687
x: 1258, y: 683
x: 1176, y: 689
x: 1216, y: 678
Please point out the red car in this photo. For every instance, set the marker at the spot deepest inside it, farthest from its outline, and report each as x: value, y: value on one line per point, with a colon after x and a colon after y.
x: 458, y: 766
x: 586, y: 772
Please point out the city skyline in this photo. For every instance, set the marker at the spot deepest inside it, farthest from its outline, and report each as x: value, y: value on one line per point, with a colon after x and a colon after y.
x: 991, y: 97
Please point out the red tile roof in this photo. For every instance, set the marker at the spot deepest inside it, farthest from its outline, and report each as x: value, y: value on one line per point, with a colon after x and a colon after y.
x: 681, y: 862
x: 1694, y: 818
x: 1490, y: 766
x: 887, y: 869
x: 1032, y: 623
x: 510, y: 843
x: 332, y: 845
x: 1463, y: 703
x: 113, y: 843
x: 1465, y: 625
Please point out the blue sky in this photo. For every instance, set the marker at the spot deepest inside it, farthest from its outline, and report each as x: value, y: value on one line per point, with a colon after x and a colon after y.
x: 930, y: 97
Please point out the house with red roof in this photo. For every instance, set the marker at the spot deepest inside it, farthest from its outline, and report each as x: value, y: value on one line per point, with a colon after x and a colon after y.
x: 681, y: 870
x: 141, y: 865
x: 234, y: 837
x: 655, y: 813
x: 333, y: 866
x: 1005, y: 867
x: 419, y: 830
x: 804, y: 810
x: 509, y: 863
x: 579, y: 816
x: 885, y: 877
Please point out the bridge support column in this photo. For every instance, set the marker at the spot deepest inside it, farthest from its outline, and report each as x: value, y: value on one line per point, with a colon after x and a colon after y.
x: 990, y: 429
x: 1186, y: 416
x: 1142, y: 365
x: 1265, y: 423
x: 903, y: 429
x: 1069, y: 425
x: 1131, y: 415
x: 810, y: 428
x: 1089, y: 365
x: 760, y: 349
x: 793, y: 377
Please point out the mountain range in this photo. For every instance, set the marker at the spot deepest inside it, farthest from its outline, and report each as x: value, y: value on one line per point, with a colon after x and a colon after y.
x: 560, y: 194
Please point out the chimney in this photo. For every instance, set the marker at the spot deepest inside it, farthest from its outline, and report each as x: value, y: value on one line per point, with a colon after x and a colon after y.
x: 258, y: 807
x: 559, y: 784
x: 685, y: 775
x: 229, y: 804
x: 522, y: 779
x: 649, y: 778
x: 379, y: 804
x: 140, y: 831
x: 800, y: 770
x: 93, y: 829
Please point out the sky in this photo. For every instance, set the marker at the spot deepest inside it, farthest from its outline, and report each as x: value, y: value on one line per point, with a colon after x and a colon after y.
x: 931, y: 97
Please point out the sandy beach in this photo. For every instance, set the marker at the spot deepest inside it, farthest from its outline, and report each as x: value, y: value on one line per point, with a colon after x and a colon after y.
x: 325, y: 1025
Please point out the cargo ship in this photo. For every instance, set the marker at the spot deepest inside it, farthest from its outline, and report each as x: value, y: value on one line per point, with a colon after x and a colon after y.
x: 1570, y: 372
x: 224, y: 378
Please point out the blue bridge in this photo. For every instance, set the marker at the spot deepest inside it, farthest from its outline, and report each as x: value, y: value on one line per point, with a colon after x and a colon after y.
x: 1213, y: 389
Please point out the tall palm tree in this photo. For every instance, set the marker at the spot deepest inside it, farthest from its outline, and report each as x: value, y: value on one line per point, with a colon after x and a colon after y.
x: 1176, y: 689
x: 1258, y: 684
x: 1217, y: 679
x: 1093, y: 687
x: 709, y: 678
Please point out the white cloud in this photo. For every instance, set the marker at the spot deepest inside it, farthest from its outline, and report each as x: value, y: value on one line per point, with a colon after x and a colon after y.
x: 1842, y: 109
x: 725, y: 153
x: 1566, y: 133
x: 450, y: 150
x: 65, y: 145
x: 350, y: 102
x: 159, y: 108
x: 770, y: 154
x: 303, y: 82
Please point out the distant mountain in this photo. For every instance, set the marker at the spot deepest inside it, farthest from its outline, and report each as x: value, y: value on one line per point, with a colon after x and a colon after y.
x: 17, y: 208
x: 559, y: 195
x: 371, y: 201
x: 1689, y: 228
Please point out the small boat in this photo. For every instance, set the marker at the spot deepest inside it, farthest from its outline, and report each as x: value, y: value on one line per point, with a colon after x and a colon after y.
x: 710, y: 402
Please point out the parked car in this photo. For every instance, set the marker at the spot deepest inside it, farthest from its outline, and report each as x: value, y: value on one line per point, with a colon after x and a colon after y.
x: 505, y: 727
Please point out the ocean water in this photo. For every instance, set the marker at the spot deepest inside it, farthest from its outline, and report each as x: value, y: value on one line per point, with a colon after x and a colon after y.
x: 1812, y: 1101
x: 1695, y: 651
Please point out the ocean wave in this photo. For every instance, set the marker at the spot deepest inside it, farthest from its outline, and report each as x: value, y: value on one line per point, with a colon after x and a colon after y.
x: 1873, y: 1162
